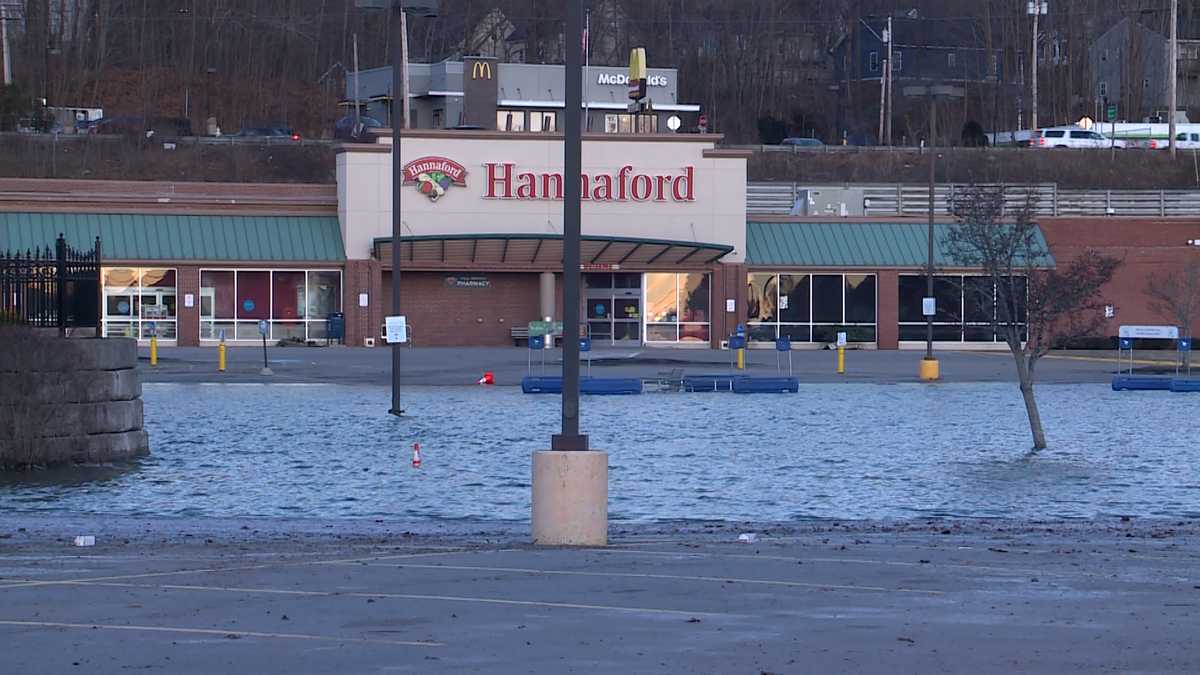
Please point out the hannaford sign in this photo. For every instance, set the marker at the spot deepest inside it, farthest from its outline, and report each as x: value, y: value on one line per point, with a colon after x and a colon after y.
x: 505, y: 182
x: 434, y: 175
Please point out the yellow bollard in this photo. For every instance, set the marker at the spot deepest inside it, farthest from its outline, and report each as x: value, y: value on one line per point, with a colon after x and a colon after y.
x: 153, y: 351
x: 221, y: 357
x: 741, y: 359
x: 930, y: 370
x: 841, y: 361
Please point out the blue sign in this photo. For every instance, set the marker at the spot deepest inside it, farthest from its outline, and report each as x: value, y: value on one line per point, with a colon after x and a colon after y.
x: 1126, y: 343
x: 783, y: 344
x: 741, y: 330
x: 248, y: 305
x: 585, y: 344
x: 263, y: 327
x: 737, y: 342
x: 123, y: 307
x: 537, y: 342
x: 1185, y: 345
x: 151, y: 328
x: 600, y: 310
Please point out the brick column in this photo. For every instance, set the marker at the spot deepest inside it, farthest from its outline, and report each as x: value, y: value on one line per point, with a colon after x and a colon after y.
x: 888, y: 320
x: 188, y: 283
x: 362, y: 276
x: 728, y: 283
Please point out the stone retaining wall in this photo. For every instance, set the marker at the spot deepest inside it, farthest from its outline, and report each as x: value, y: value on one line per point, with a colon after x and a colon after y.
x: 69, y: 401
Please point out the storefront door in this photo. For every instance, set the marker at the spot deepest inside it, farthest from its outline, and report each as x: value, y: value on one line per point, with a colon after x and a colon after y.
x: 613, y: 307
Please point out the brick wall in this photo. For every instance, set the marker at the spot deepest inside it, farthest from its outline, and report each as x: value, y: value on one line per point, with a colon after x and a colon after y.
x: 363, y: 276
x: 887, y: 299
x: 1147, y: 246
x: 441, y: 315
x: 188, y: 281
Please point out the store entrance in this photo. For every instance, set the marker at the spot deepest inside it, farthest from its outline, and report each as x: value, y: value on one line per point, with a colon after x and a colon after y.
x: 613, y: 307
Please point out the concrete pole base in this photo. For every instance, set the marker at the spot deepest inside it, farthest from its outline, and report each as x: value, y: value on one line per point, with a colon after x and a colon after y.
x: 570, y: 498
x: 930, y: 370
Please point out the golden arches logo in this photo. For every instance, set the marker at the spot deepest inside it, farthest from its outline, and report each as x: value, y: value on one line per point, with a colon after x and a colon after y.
x: 482, y: 70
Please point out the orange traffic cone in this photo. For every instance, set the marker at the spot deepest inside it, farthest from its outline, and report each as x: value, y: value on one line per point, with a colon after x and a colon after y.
x: 416, y: 462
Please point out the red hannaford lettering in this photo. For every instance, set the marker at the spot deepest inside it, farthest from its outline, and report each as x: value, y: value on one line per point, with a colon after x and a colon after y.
x: 457, y: 173
x: 504, y: 181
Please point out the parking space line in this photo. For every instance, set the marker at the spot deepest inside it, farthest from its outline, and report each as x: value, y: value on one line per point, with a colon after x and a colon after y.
x: 669, y: 577
x: 405, y: 596
x: 238, y: 568
x: 219, y: 632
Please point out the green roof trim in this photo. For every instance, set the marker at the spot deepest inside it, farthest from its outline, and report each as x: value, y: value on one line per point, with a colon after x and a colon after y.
x: 156, y: 237
x: 903, y: 245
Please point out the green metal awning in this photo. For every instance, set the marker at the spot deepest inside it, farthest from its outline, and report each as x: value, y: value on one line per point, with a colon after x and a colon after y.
x: 163, y: 237
x: 860, y: 245
x: 546, y: 250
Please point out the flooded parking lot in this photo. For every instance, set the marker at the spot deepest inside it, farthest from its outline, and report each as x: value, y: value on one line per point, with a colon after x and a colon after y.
x: 855, y: 451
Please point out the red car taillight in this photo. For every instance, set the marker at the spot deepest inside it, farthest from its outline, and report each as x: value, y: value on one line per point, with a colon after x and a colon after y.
x: 295, y: 137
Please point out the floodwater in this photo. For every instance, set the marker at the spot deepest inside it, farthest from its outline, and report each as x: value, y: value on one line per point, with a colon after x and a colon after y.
x: 853, y: 451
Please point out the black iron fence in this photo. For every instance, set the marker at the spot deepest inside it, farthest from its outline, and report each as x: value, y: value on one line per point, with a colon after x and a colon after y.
x: 57, y: 288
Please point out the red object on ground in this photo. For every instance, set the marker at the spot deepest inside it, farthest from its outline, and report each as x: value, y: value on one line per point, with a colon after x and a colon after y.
x: 488, y: 378
x: 416, y: 461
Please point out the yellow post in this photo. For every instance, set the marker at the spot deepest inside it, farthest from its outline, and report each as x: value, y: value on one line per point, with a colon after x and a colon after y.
x: 841, y: 361
x: 741, y: 359
x: 153, y: 351
x: 930, y: 370
x: 221, y: 357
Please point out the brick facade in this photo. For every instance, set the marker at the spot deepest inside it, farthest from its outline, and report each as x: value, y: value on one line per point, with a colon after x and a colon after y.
x: 188, y: 280
x: 1146, y: 246
x: 441, y: 315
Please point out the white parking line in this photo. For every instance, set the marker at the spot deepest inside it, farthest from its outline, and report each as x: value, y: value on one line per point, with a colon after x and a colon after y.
x: 219, y: 632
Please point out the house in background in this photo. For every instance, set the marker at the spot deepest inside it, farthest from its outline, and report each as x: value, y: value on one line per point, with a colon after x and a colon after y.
x: 1130, y: 66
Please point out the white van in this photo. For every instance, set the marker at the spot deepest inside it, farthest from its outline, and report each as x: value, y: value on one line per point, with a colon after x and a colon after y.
x: 1072, y: 137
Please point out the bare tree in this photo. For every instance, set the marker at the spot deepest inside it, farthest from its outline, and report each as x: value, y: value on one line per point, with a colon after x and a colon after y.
x: 1035, y: 306
x: 1175, y: 296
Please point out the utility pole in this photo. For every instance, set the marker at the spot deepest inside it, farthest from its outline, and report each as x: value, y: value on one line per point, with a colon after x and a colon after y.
x: 883, y: 87
x: 1036, y: 8
x: 1174, y: 73
x: 891, y: 79
x: 404, y: 103
x: 8, y: 80
x: 357, y: 90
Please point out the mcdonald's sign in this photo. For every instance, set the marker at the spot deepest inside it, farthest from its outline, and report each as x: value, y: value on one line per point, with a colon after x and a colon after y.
x: 482, y: 70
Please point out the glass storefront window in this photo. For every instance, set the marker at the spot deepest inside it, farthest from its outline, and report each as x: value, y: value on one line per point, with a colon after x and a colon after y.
x: 297, y: 303
x: 678, y: 307
x: 966, y: 308
x: 510, y: 120
x: 139, y: 302
x: 543, y: 121
x: 812, y: 307
x: 662, y: 298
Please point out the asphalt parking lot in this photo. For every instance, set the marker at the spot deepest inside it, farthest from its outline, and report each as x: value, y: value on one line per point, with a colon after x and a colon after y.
x: 827, y: 599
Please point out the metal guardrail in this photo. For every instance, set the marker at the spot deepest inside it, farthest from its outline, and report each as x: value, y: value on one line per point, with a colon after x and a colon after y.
x: 884, y: 200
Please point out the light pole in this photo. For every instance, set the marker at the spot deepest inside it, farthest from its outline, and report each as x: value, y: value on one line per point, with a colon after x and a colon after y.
x: 399, y: 58
x: 1174, y: 63
x: 1037, y: 8
x: 930, y: 369
x: 570, y: 481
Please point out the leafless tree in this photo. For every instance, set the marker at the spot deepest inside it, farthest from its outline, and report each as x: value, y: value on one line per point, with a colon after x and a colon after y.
x: 1175, y: 296
x: 1036, y: 306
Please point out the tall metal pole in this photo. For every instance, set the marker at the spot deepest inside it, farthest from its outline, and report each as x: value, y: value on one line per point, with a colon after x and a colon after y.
x: 404, y: 93
x: 4, y: 44
x: 1174, y: 62
x: 570, y: 439
x: 1033, y: 65
x: 891, y: 79
x: 929, y: 268
x: 399, y: 111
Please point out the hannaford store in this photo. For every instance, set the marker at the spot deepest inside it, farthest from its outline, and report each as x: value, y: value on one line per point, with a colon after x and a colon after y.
x: 481, y: 242
x: 669, y: 256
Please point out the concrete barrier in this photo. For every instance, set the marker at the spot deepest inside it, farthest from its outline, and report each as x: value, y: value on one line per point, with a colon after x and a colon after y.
x: 69, y: 401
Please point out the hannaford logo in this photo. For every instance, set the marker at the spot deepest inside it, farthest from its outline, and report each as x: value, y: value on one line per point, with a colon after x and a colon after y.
x: 434, y: 175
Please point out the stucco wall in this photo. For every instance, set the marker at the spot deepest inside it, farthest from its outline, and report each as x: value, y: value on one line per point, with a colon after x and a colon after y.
x: 69, y: 401
x: 717, y: 214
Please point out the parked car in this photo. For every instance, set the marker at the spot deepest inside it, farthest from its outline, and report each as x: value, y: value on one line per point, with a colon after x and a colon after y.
x: 1072, y: 137
x: 268, y: 132
x: 803, y: 143
x: 1183, y: 141
x: 345, y: 128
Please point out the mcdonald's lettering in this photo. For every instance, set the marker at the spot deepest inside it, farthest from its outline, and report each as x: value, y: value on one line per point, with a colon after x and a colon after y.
x: 481, y: 70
